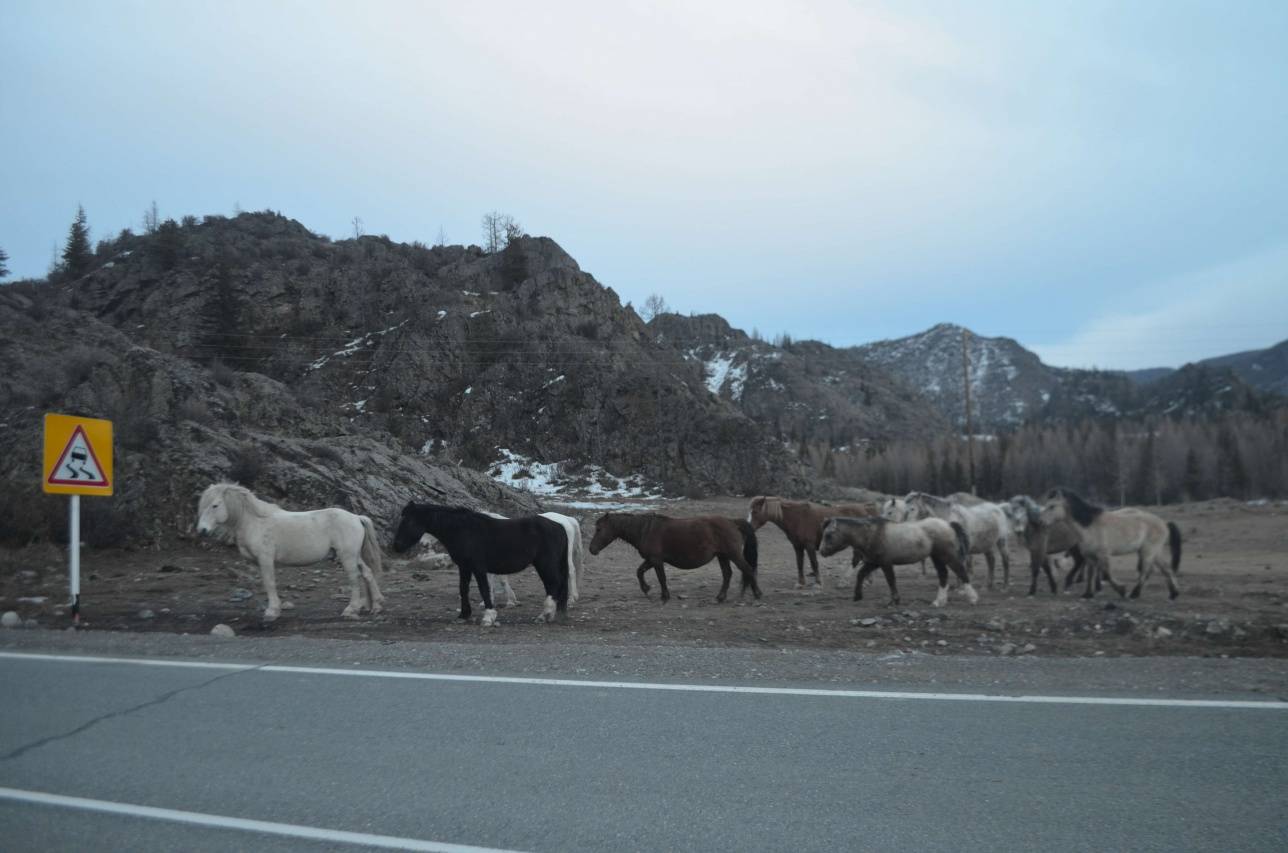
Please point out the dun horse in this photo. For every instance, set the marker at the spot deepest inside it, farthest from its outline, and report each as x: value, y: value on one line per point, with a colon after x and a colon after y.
x: 480, y: 544
x: 272, y: 536
x: 1103, y: 534
x: 686, y: 543
x: 1043, y: 540
x: 802, y: 522
x: 884, y: 544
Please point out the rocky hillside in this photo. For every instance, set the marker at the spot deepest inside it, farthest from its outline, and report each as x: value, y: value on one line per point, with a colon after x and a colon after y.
x: 804, y: 392
x: 420, y: 359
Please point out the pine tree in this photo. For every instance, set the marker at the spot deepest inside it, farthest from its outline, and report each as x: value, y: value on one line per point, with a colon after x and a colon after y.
x: 4, y: 263
x: 76, y: 253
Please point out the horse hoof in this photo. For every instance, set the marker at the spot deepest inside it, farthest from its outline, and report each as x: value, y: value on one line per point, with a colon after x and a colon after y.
x: 489, y: 619
x: 1135, y: 593
x: 271, y: 615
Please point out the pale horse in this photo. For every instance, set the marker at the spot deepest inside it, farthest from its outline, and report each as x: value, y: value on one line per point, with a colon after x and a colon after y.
x: 272, y: 536
x: 896, y: 509
x: 987, y: 527
x: 501, y: 583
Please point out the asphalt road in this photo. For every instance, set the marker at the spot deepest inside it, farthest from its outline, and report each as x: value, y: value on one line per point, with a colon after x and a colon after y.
x: 542, y: 767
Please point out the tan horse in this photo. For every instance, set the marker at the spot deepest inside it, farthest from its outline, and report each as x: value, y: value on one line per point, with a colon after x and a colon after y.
x: 686, y: 543
x: 885, y: 544
x: 802, y: 522
x: 1103, y: 534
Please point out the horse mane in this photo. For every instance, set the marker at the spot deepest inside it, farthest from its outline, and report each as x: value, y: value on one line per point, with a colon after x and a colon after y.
x: 244, y: 496
x: 1084, y: 512
x: 1032, y: 510
x: 773, y: 507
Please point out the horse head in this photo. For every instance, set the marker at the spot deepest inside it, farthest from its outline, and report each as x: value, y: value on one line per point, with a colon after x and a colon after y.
x: 410, y: 528
x: 764, y: 508
x: 840, y: 533
x: 895, y: 509
x: 605, y: 533
x: 213, y: 508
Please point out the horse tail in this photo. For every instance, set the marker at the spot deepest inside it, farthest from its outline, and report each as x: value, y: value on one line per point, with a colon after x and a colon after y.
x: 963, y: 540
x: 370, y: 546
x: 1174, y: 541
x: 572, y: 529
x: 750, y: 551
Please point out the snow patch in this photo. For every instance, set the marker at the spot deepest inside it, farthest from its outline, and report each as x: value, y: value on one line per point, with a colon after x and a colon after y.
x: 355, y: 345
x: 550, y: 479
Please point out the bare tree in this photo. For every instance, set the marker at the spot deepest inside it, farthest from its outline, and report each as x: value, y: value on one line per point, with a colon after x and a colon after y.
x: 151, y: 219
x: 441, y: 240
x: 653, y: 306
x: 498, y: 230
x: 4, y: 263
x: 357, y: 227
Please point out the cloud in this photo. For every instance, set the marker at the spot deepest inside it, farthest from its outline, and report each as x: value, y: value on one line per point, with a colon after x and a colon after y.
x: 1238, y: 305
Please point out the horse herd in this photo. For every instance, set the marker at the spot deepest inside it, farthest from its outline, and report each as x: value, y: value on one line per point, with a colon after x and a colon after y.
x: 487, y: 548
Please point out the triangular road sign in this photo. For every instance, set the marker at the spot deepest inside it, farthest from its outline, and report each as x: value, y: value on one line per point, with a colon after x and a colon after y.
x: 78, y: 464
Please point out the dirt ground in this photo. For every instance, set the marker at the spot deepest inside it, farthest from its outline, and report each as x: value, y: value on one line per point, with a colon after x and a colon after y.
x: 1234, y: 598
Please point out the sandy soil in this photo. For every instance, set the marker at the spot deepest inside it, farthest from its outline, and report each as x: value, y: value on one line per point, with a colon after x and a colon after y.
x: 1234, y: 599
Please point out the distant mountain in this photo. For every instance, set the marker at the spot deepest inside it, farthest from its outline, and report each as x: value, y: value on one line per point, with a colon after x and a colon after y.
x: 802, y: 392
x: 1264, y: 369
x: 1011, y: 385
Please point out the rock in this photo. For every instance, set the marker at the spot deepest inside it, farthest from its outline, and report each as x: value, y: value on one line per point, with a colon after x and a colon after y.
x: 146, y: 614
x: 941, y: 643
x: 1239, y: 634
x: 866, y: 622
x: 995, y: 625
x: 169, y: 567
x: 222, y: 630
x: 1216, y: 628
x: 31, y: 623
x: 10, y: 620
x: 240, y: 594
x: 1006, y: 649
x: 1161, y: 633
x: 1028, y: 647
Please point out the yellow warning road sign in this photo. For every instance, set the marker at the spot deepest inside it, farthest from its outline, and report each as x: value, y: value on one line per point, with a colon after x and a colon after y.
x: 78, y: 456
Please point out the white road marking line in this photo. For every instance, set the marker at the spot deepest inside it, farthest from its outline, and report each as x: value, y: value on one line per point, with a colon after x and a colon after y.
x: 1267, y: 705
x: 290, y: 830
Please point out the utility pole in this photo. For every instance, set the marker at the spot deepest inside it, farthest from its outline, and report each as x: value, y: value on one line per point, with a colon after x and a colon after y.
x: 970, y: 433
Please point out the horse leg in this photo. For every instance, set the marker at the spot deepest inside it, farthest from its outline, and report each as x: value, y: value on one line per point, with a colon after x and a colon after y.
x: 992, y: 564
x: 963, y: 575
x: 923, y: 568
x: 748, y: 575
x: 1006, y: 565
x: 556, y: 585
x: 268, y: 573
x: 862, y: 575
x: 485, y: 592
x: 1172, y: 589
x: 639, y: 573
x: 1142, y: 574
x: 466, y: 610
x: 1035, y: 568
x: 800, y: 565
x: 658, y: 567
x: 941, y: 597
x: 356, y: 589
x: 1093, y: 574
x: 888, y: 571
x: 374, y: 596
x: 813, y: 566
x: 1046, y: 567
x: 726, y: 575
x: 504, y: 593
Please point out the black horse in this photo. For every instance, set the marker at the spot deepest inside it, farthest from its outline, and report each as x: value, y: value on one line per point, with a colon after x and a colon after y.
x: 480, y: 544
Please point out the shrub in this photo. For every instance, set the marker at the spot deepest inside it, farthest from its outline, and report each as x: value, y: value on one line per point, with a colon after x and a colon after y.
x: 246, y: 465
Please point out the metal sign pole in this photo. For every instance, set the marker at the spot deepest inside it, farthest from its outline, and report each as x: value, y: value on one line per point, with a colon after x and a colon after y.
x: 73, y: 551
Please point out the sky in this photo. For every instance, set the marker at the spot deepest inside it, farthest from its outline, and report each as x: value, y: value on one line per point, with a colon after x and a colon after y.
x: 1105, y: 182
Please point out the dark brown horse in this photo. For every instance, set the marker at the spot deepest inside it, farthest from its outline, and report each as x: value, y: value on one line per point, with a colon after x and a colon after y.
x: 802, y: 521
x: 686, y: 543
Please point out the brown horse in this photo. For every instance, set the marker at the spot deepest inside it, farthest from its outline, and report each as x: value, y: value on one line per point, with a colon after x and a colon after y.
x: 802, y: 521
x: 686, y: 543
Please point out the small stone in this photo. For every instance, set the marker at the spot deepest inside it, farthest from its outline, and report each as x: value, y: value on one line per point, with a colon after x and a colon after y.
x: 222, y: 630
x: 146, y: 614
x: 1028, y: 647
x: 10, y: 619
x: 1216, y: 628
x: 941, y: 643
x: 240, y: 594
x: 1006, y: 649
x: 866, y: 622
x: 1239, y: 634
x: 166, y: 610
x: 995, y: 625
x: 288, y: 605
x: 31, y: 623
x: 1161, y: 633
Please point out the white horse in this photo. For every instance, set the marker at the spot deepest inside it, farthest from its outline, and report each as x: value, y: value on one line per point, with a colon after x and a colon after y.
x: 501, y: 583
x: 270, y: 535
x: 986, y: 525
x: 896, y: 509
